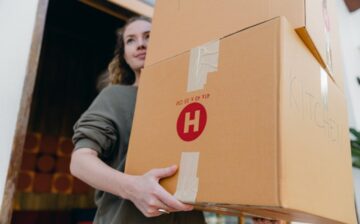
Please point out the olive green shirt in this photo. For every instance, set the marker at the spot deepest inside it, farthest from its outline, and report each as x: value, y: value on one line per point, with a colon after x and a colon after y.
x: 105, y: 127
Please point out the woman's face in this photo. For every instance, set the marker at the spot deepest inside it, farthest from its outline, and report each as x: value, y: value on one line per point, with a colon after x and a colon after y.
x: 136, y: 36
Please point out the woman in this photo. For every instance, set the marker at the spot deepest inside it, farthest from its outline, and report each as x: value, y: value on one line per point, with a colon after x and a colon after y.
x: 101, y: 138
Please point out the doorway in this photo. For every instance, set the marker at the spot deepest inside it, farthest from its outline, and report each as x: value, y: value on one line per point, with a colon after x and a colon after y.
x: 77, y: 45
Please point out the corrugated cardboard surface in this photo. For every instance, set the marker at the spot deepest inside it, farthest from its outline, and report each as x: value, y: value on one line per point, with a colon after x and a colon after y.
x: 315, y: 157
x: 191, y: 23
x: 260, y: 146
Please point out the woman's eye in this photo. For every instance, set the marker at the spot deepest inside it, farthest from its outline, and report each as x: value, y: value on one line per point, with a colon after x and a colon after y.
x: 129, y: 41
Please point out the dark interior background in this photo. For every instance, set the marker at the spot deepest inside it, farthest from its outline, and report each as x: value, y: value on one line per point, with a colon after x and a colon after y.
x: 77, y: 46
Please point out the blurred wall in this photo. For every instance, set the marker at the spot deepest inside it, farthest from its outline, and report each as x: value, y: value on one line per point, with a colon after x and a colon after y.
x: 17, y: 20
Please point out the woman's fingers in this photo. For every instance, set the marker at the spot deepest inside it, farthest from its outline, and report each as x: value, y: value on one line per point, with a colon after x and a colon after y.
x: 171, y: 201
x: 151, y: 212
x: 157, y: 204
x: 151, y: 196
x: 164, y: 196
x: 163, y: 172
x: 151, y: 207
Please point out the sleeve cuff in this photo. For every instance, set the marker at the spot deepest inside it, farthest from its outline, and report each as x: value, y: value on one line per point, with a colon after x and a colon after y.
x: 87, y: 143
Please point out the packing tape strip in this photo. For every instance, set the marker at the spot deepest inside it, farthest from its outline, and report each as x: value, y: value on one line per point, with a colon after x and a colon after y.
x: 188, y: 182
x: 324, y: 88
x: 327, y: 28
x: 203, y: 60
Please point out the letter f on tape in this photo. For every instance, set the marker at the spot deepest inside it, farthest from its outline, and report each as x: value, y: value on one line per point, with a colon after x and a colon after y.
x: 203, y: 60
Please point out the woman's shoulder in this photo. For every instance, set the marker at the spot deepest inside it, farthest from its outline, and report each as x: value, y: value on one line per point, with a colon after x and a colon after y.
x: 118, y: 92
x: 115, y: 97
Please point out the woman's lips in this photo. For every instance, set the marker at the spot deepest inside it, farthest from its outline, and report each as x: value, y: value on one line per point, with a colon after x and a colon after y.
x: 141, y: 55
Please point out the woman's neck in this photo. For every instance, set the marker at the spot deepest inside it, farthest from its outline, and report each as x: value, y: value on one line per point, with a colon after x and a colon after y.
x: 137, y: 77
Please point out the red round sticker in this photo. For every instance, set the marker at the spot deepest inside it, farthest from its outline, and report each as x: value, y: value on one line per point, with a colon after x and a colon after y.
x: 191, y: 122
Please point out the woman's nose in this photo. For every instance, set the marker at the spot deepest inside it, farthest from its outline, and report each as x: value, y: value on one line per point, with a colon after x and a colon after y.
x: 142, y: 43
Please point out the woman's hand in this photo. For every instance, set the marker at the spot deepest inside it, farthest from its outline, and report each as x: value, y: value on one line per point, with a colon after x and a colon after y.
x: 144, y: 191
x: 149, y: 196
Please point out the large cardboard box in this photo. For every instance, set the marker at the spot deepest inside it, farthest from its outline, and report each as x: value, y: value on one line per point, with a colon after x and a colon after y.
x: 183, y: 24
x: 255, y: 125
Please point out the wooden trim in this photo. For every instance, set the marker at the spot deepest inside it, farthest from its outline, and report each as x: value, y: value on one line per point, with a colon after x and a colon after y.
x: 23, y: 115
x: 105, y: 7
x: 135, y: 6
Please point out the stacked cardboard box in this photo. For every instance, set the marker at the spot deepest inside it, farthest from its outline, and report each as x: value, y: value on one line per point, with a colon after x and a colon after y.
x: 256, y: 123
x: 183, y: 24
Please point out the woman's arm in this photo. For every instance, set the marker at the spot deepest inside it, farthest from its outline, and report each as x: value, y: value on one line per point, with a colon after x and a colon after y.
x: 86, y: 166
x: 144, y: 191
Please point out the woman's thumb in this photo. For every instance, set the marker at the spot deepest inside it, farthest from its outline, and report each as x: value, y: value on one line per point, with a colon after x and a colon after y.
x: 164, y: 172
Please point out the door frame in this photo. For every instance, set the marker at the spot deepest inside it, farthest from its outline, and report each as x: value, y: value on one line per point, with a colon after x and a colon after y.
x: 24, y: 112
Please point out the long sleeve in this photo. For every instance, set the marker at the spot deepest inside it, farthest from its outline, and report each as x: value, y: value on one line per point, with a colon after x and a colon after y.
x: 98, y: 127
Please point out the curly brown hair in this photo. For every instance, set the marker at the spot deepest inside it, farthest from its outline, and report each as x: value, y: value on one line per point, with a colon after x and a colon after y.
x: 119, y: 72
